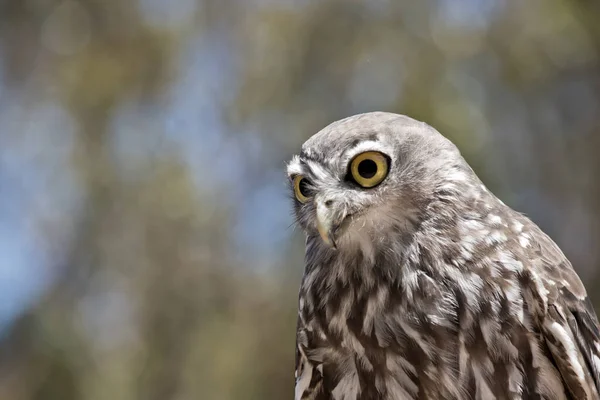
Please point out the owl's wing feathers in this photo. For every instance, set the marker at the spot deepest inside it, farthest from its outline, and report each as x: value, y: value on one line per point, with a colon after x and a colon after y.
x: 570, y: 326
x: 309, y: 375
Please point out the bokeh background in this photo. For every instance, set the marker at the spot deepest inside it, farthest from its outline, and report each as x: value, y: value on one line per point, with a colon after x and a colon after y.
x: 146, y: 246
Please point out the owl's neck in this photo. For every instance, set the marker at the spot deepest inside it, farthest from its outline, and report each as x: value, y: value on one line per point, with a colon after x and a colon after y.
x: 435, y: 247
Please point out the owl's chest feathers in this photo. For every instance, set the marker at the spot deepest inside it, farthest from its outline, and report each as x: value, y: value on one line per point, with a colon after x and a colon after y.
x: 412, y: 313
x: 418, y: 294
x: 434, y: 318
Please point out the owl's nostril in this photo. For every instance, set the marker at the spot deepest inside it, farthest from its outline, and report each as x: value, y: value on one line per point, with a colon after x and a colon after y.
x: 328, y: 203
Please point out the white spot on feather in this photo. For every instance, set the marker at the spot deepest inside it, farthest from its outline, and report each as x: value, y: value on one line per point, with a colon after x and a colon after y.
x: 496, y: 237
x: 304, y: 381
x: 457, y: 176
x: 467, y: 243
x: 472, y: 225
x: 509, y: 263
x: 448, y: 186
x: 596, y: 362
x: 524, y: 241
x: 495, y: 219
x: 571, y: 352
x: 517, y: 227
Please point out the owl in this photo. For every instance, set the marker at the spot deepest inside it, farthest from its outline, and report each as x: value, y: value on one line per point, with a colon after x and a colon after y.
x: 419, y: 283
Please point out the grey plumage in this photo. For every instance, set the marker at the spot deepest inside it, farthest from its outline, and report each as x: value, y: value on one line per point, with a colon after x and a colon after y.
x: 426, y: 286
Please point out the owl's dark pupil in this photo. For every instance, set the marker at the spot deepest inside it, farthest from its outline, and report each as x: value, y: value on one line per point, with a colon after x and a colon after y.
x: 367, y: 169
x: 303, y: 187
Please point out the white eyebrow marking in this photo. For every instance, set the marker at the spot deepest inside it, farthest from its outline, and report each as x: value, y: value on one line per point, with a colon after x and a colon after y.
x: 317, y: 169
x: 294, y: 167
x: 367, y: 145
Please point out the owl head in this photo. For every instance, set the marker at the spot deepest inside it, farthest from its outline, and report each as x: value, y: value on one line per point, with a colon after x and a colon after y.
x: 370, y: 177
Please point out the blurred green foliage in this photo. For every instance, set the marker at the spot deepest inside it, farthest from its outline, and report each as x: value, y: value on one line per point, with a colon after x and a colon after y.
x: 150, y: 296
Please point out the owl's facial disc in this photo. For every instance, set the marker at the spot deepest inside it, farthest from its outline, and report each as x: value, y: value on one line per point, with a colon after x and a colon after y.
x: 365, y: 170
x: 330, y: 199
x: 368, y: 180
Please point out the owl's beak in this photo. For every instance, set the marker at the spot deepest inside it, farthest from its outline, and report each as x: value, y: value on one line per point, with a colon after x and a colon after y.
x: 327, y: 222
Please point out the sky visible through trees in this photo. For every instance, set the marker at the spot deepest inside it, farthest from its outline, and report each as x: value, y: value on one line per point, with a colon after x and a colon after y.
x: 146, y: 234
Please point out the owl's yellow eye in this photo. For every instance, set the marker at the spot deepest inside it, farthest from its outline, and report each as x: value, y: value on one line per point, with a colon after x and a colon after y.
x: 301, y: 189
x: 369, y: 169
